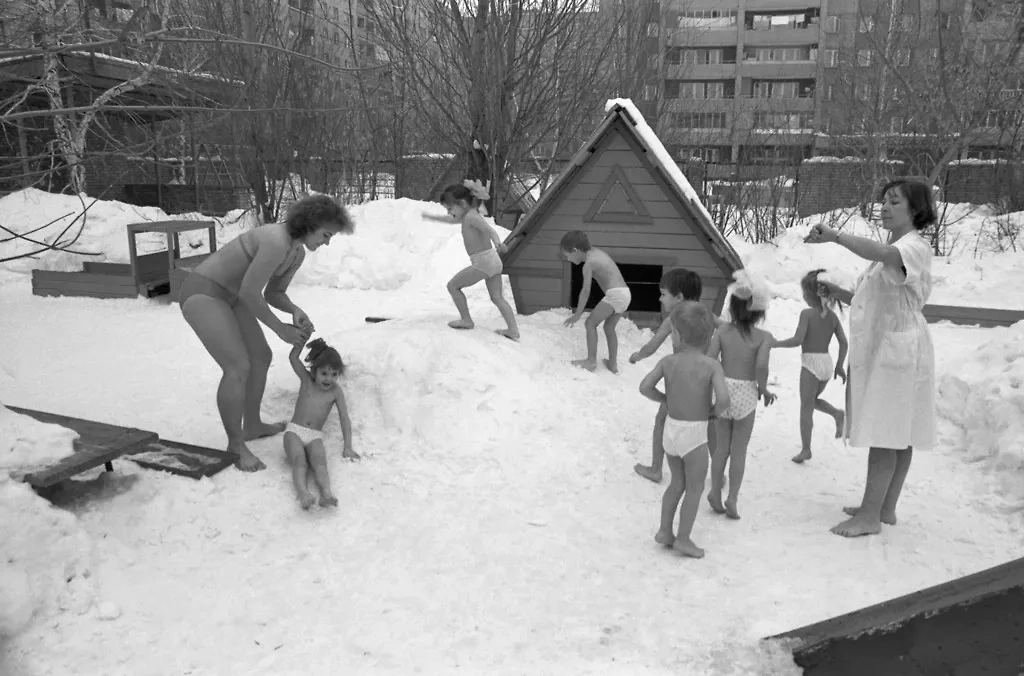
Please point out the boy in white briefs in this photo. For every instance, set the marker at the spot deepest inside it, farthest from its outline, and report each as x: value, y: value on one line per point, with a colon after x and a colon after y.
x: 303, y: 436
x: 597, y: 265
x: 691, y: 377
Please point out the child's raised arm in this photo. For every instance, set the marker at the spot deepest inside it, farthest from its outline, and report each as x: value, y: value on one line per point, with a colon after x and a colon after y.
x: 798, y: 337
x: 297, y: 365
x: 649, y: 385
x: 440, y: 219
x: 844, y: 346
x: 654, y: 343
x: 346, y: 423
x: 715, y: 348
x: 722, y: 402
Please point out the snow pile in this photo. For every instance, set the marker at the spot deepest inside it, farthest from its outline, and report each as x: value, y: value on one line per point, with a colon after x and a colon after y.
x: 984, y: 397
x: 45, y: 567
x: 27, y: 444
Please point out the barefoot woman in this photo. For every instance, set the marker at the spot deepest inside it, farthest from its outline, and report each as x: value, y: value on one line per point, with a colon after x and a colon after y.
x: 890, y: 395
x: 227, y: 296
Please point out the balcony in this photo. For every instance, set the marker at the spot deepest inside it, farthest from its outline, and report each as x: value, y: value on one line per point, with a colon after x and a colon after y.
x: 801, y: 104
x: 794, y: 6
x: 698, y: 105
x: 711, y: 71
x: 703, y: 37
x: 781, y: 36
x: 779, y: 69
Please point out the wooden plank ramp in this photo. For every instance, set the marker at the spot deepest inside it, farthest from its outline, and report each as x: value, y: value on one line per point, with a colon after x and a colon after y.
x: 971, y: 625
x: 97, y: 444
x: 972, y: 316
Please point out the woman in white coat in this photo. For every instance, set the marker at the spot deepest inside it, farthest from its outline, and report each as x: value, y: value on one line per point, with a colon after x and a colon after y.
x: 890, y: 395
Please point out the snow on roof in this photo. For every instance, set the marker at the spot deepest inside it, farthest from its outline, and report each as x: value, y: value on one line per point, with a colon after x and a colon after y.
x: 659, y: 154
x: 849, y: 159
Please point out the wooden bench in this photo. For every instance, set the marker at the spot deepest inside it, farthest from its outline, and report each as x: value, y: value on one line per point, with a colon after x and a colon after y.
x: 971, y: 625
x: 97, y: 444
x: 979, y: 316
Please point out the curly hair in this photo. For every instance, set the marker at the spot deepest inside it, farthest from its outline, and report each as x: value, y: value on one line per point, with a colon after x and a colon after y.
x: 682, y: 282
x: 920, y: 200
x: 314, y: 211
x: 321, y: 354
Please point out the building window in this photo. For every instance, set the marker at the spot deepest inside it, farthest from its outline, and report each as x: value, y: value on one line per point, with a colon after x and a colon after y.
x: 831, y: 58
x: 707, y: 18
x: 863, y: 57
x: 896, y: 125
x: 829, y: 91
x: 907, y: 22
x: 803, y: 121
x: 699, y: 120
x: 902, y: 57
x: 652, y: 29
x: 866, y: 24
x: 862, y: 91
x: 650, y: 92
x: 832, y: 24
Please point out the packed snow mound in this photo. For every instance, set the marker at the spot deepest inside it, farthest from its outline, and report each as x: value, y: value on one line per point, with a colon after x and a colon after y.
x: 985, y: 399
x: 45, y: 567
x: 393, y: 245
x: 27, y: 444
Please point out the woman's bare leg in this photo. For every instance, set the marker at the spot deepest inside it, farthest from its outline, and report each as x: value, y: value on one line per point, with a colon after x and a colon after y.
x: 259, y: 364
x: 318, y: 461
x: 215, y: 324
x: 296, y: 454
x: 507, y: 313
x: 653, y: 473
x: 868, y: 517
x: 741, y: 430
x: 463, y: 278
x: 892, y: 495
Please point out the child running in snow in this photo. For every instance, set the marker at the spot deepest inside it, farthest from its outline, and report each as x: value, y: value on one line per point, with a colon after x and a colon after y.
x: 817, y: 324
x: 690, y: 379
x: 483, y: 246
x: 676, y: 286
x: 303, y: 436
x: 575, y: 248
x: 745, y: 352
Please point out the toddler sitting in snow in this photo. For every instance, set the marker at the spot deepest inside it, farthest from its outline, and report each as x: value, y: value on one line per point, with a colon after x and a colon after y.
x: 690, y: 379
x: 303, y: 437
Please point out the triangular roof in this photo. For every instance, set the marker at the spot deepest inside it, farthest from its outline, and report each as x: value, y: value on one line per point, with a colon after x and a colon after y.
x: 623, y: 110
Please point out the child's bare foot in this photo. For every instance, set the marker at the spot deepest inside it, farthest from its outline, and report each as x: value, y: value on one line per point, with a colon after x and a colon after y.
x: 247, y: 462
x: 730, y: 509
x: 840, y: 424
x: 585, y: 364
x: 664, y: 538
x: 349, y: 454
x: 262, y: 429
x: 856, y: 526
x: 461, y: 324
x: 802, y: 456
x: 686, y: 547
x: 610, y: 365
x: 648, y: 473
x: 306, y: 499
x: 715, y: 500
x: 888, y: 519
x: 508, y: 333
x: 328, y: 500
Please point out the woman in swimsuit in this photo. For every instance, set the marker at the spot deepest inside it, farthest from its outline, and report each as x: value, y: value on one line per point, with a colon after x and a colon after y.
x: 227, y: 296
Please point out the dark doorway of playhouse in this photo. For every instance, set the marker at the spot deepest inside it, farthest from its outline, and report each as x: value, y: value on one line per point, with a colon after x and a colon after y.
x: 642, y: 280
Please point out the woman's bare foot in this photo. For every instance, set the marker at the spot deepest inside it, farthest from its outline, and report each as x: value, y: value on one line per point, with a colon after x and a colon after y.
x: 508, y: 333
x: 802, y: 456
x: 888, y: 519
x: 648, y: 473
x: 730, y: 509
x: 328, y: 500
x: 262, y: 429
x: 461, y: 324
x: 856, y: 526
x: 840, y: 424
x: 686, y: 547
x: 715, y: 500
x: 664, y: 538
x: 306, y: 499
x: 247, y: 462
x: 585, y: 364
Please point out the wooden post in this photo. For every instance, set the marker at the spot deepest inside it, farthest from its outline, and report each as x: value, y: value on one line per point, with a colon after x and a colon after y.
x: 212, y: 230
x: 172, y: 250
x: 134, y: 256
x: 26, y: 168
x: 156, y: 164
x: 195, y: 165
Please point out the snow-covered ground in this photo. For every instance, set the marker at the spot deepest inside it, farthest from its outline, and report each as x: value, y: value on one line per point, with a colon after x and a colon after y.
x: 495, y: 524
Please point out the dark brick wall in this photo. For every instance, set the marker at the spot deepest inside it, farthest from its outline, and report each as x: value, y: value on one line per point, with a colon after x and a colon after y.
x: 823, y: 186
x: 997, y: 183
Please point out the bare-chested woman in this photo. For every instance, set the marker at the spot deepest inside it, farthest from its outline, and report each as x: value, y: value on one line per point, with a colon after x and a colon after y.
x: 227, y: 296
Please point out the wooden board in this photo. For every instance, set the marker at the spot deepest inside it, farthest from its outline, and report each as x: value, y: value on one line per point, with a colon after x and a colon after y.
x: 952, y: 628
x: 60, y: 283
x: 980, y: 316
x: 187, y: 460
x: 377, y: 320
x: 97, y: 444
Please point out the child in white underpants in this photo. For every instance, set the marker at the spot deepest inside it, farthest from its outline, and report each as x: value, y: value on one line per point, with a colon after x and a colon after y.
x: 817, y: 324
x: 691, y: 377
x: 303, y: 437
x: 745, y: 351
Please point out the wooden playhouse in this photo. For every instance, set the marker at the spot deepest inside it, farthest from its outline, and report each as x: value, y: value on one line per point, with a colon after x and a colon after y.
x: 624, y: 191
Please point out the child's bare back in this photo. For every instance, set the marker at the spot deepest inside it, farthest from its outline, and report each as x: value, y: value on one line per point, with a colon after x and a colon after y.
x: 604, y: 270
x: 739, y: 352
x: 688, y: 385
x: 819, y: 330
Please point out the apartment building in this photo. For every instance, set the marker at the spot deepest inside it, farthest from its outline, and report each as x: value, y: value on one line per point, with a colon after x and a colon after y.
x: 772, y: 81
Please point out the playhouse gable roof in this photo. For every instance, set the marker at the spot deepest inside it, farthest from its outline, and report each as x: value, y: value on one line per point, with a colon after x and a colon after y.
x: 633, y: 123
